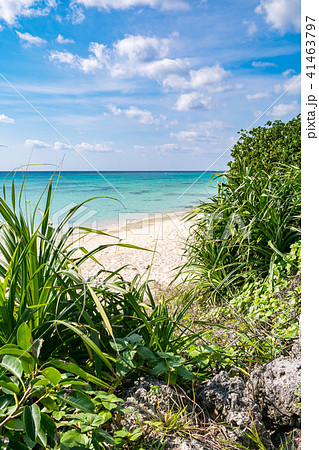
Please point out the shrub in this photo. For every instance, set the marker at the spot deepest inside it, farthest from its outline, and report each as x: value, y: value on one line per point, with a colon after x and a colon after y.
x: 266, y: 147
x: 254, y: 218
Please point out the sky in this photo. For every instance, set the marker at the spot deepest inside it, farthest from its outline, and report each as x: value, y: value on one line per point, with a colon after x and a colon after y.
x: 142, y: 84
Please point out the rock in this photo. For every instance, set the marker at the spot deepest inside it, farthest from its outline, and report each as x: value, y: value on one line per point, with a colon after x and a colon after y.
x: 228, y: 399
x: 150, y: 398
x: 273, y: 387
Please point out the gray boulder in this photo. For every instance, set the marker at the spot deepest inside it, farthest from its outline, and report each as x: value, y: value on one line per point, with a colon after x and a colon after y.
x: 227, y: 399
x: 274, y: 388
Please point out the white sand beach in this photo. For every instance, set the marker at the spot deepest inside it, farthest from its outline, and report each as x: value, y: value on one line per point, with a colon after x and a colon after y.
x: 162, y: 234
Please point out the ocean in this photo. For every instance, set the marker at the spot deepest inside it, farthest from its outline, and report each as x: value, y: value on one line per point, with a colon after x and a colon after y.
x: 134, y: 194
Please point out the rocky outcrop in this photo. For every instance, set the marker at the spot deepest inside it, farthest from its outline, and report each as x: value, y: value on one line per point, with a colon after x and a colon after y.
x: 228, y: 399
x: 266, y: 408
x: 275, y: 387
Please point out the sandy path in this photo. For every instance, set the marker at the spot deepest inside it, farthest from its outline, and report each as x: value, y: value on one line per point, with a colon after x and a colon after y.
x: 163, y: 233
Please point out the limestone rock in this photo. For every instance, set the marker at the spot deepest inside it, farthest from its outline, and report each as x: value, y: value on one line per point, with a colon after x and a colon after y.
x: 274, y: 388
x: 228, y: 398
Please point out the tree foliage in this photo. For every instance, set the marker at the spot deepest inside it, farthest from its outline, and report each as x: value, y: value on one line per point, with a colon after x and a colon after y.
x: 268, y: 146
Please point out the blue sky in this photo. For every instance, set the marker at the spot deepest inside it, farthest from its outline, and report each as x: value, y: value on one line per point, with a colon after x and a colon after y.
x: 142, y: 84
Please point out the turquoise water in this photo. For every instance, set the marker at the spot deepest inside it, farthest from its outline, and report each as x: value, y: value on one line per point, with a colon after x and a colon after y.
x: 139, y: 193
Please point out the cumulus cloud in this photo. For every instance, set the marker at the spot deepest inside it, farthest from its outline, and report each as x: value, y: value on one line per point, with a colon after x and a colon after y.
x: 62, y: 40
x: 5, y: 119
x: 142, y: 115
x: 194, y: 101
x: 29, y: 40
x: 148, y: 57
x: 205, y: 78
x: 76, y: 14
x: 142, y: 48
x: 284, y: 109
x: 257, y: 96
x: 96, y: 61
x: 11, y: 10
x: 282, y: 15
x: 84, y: 146
x: 126, y: 4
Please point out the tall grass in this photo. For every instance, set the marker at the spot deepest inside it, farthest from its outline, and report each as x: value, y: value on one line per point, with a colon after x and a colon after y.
x: 40, y: 279
x: 238, y: 233
x: 69, y: 316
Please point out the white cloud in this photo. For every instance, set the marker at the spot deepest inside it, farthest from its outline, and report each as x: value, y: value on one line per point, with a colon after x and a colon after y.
x: 5, y: 119
x: 142, y: 115
x: 200, y: 132
x: 292, y: 86
x: 62, y: 40
x: 84, y: 146
x: 162, y: 70
x: 251, y: 27
x: 282, y: 15
x: 288, y: 72
x: 104, y: 147
x: 283, y: 109
x: 96, y: 61
x: 141, y: 48
x: 126, y: 4
x: 194, y: 101
x: 205, y: 78
x: 263, y: 64
x: 257, y: 96
x: 10, y: 10
x: 143, y: 56
x: 30, y: 40
x: 76, y: 14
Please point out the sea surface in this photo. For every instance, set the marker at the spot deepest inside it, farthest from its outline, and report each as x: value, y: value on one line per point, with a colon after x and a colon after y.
x: 136, y: 194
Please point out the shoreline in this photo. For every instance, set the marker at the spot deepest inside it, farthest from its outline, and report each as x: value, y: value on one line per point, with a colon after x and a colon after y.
x: 161, y: 238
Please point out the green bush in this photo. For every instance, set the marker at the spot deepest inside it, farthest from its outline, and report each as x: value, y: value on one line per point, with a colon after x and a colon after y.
x: 266, y: 147
x: 264, y: 315
x: 254, y: 218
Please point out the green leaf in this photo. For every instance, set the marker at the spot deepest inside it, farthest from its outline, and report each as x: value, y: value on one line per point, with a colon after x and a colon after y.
x: 14, y: 445
x: 15, y: 425
x: 13, y: 365
x: 107, y: 438
x: 28, y: 365
x: 14, y: 350
x: 160, y: 368
x: 146, y: 353
x: 42, y: 437
x: 32, y: 420
x: 48, y: 403
x: 73, y: 438
x: 183, y: 372
x: 9, y: 386
x: 24, y: 336
x: 52, y: 375
x: 124, y: 363
x: 48, y: 424
x: 78, y: 400
x: 76, y: 370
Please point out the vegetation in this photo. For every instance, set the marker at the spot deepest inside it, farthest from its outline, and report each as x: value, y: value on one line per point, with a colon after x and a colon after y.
x: 239, y: 234
x: 266, y: 147
x: 69, y: 345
